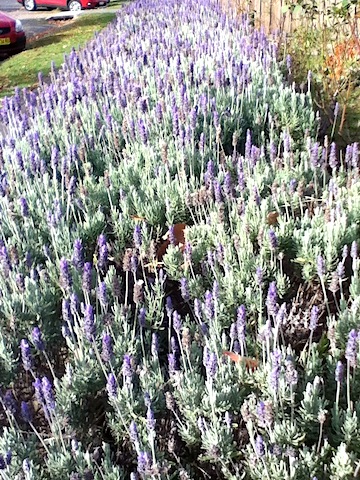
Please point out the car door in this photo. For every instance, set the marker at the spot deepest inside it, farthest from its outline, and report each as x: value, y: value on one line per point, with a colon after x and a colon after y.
x: 54, y: 3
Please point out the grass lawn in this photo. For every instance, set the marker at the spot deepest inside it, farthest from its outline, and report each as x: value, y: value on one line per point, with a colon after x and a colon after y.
x: 22, y: 70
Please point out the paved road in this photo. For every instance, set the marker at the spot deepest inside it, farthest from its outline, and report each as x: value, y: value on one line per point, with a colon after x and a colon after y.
x: 9, y: 5
x: 34, y: 22
x: 37, y: 22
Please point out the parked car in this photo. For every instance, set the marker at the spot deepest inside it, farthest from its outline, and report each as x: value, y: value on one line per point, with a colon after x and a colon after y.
x: 73, y: 5
x: 12, y: 35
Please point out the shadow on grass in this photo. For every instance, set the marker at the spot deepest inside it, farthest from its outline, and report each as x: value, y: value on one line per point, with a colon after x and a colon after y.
x: 63, y: 31
x: 45, y: 41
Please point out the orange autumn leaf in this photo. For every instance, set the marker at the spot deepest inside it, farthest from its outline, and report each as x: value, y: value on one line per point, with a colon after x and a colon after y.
x: 179, y: 239
x: 250, y: 363
x: 344, y: 53
x: 272, y: 218
x: 137, y: 218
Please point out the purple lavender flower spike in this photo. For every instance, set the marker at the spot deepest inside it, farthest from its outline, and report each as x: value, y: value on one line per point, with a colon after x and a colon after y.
x: 314, y: 155
x: 154, y: 345
x: 24, y: 208
x: 172, y: 238
x: 314, y: 318
x: 174, y: 345
x: 9, y: 402
x: 37, y: 339
x: 66, y: 312
x: 74, y: 304
x: 197, y: 309
x: 134, y: 435
x: 8, y: 457
x: 143, y: 133
x: 86, y: 279
x: 241, y: 323
x: 340, y: 270
x: 48, y: 393
x: 228, y: 187
x: 275, y: 372
x: 127, y: 369
x: 65, y: 277
x: 142, y: 317
x: 271, y: 300
x: 150, y: 419
x: 248, y: 145
x: 259, y: 446
x: 188, y: 252
x: 5, y: 261
x: 236, y: 347
x: 320, y: 265
x: 291, y: 374
x: 144, y: 464
x: 184, y: 289
x: 259, y: 276
x: 333, y: 162
x: 169, y: 307
x: 38, y: 391
x: 233, y: 331
x: 209, y: 307
x: 147, y: 399
x: 352, y: 348
x: 355, y: 155
x: 26, y: 466
x: 102, y: 295
x: 111, y: 385
x: 288, y: 62
x: 26, y: 413
x: 354, y: 250
x: 134, y: 262
x: 217, y: 192
x: 339, y: 372
x: 177, y: 322
x: 89, y: 323
x: 256, y: 196
x: 137, y: 237
x: 273, y: 241
x: 209, y: 174
x: 201, y: 424
x: 78, y: 260
x: 103, y: 257
x: 107, y: 349
x: 216, y: 290
x: 172, y: 364
x: 101, y: 240
x: 281, y: 315
x: 211, y: 365
x: 26, y: 355
x: 260, y: 412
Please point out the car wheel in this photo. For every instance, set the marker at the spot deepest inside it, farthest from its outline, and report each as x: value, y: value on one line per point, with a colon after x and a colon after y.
x: 74, y: 6
x: 30, y: 5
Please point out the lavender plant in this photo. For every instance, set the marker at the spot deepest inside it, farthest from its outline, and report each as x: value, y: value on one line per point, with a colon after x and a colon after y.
x: 114, y: 320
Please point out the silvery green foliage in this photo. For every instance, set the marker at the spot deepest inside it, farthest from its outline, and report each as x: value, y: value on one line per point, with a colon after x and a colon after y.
x: 118, y: 327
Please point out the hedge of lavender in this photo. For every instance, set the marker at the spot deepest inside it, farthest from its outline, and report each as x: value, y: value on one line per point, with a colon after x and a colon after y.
x: 165, y: 199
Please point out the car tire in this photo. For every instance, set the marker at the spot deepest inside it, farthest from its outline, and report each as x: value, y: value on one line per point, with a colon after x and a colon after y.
x: 29, y: 5
x: 74, y: 6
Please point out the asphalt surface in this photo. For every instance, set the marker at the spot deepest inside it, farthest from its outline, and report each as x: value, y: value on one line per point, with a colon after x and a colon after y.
x: 34, y: 23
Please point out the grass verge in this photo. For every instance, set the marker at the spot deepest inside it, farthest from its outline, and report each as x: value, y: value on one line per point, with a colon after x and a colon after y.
x: 22, y: 70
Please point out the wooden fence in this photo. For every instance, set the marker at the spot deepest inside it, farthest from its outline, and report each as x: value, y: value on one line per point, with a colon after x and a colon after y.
x: 272, y: 16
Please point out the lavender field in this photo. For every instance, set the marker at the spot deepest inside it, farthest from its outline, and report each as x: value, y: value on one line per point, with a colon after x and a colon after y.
x: 179, y: 267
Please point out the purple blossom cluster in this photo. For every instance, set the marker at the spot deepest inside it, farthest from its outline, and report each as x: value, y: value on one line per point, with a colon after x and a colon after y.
x: 182, y: 117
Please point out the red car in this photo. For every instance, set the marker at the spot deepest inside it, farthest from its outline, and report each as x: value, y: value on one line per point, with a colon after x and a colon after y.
x: 73, y: 5
x: 12, y: 35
